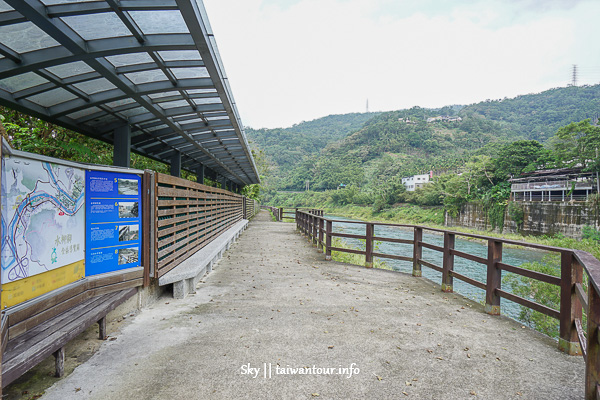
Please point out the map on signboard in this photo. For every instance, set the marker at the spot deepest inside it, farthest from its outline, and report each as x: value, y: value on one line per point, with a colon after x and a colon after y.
x: 43, y: 217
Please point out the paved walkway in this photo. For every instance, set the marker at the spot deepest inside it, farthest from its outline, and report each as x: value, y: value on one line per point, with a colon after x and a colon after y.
x: 274, y: 302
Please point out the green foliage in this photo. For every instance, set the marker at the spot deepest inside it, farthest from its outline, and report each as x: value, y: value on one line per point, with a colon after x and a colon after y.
x: 356, y: 259
x: 287, y: 147
x: 516, y: 157
x: 540, y: 292
x: 495, y: 202
x: 30, y: 134
x: 539, y: 116
x: 578, y: 144
x: 516, y: 213
x: 590, y: 233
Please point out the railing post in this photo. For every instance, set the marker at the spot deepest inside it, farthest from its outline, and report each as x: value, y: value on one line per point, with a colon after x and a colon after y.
x: 320, y: 241
x: 280, y: 214
x: 592, y: 365
x: 315, y: 231
x: 494, y: 277
x: 417, y: 251
x: 448, y: 262
x: 369, y: 245
x: 328, y: 232
x: 570, y: 306
x: 306, y: 222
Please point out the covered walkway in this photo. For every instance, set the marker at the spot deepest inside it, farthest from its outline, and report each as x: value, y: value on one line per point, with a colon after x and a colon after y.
x: 273, y: 301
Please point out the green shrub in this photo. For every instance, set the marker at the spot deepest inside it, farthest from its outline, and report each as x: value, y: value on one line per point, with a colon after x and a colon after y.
x: 591, y: 233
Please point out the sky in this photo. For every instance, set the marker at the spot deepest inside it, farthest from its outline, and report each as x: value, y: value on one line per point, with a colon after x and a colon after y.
x: 290, y: 61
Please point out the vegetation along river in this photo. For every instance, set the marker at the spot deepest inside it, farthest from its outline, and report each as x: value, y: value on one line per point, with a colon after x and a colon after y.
x: 472, y: 269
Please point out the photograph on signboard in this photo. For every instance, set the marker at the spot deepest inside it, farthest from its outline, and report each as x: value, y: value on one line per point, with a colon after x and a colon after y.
x: 128, y: 209
x: 129, y: 232
x: 128, y: 255
x: 128, y: 187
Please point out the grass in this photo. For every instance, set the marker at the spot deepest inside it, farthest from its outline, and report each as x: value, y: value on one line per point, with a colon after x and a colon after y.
x: 351, y: 258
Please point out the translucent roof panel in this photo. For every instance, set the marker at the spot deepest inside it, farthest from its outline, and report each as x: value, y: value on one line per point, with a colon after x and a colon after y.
x: 51, y: 97
x: 71, y: 69
x: 95, y: 86
x: 151, y: 22
x: 183, y: 73
x: 129, y: 59
x: 21, y: 82
x: 179, y: 55
x: 154, y: 65
x: 5, y: 7
x: 25, y: 37
x: 86, y: 26
x: 146, y: 76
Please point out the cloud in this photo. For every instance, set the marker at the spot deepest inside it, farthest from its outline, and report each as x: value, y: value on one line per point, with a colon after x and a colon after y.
x: 296, y: 60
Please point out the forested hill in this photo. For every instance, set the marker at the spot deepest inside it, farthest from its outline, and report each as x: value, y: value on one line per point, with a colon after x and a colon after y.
x: 369, y: 150
x: 538, y: 116
x: 389, y: 146
x: 288, y: 146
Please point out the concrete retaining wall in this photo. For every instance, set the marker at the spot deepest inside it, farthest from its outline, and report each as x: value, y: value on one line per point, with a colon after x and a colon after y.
x: 540, y: 218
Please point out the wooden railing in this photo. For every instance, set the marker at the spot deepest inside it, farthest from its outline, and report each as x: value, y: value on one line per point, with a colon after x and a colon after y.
x: 574, y: 299
x: 282, y: 213
x: 251, y: 208
x: 275, y: 212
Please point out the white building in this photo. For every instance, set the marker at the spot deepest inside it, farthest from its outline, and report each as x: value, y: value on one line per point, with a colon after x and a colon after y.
x: 414, y: 182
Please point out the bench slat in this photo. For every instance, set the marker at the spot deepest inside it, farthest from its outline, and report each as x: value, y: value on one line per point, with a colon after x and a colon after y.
x: 36, y: 352
x: 20, y: 343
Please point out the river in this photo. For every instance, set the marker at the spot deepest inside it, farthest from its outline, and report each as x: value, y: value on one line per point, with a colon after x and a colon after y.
x: 471, y: 269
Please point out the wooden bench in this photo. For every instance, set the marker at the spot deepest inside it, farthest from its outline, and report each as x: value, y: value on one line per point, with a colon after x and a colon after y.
x: 186, y: 275
x: 34, y: 331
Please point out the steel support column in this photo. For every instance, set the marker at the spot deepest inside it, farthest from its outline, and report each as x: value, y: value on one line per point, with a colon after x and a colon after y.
x: 176, y: 164
x: 122, y: 146
x: 200, y: 174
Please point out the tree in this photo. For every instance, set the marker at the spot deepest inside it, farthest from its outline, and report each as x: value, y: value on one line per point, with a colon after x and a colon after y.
x: 578, y: 144
x: 518, y: 156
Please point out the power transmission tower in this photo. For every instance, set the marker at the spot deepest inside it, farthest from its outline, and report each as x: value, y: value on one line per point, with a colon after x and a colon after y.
x: 367, y: 105
x: 574, y: 77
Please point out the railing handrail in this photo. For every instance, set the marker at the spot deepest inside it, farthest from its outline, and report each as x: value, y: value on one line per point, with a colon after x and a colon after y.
x: 572, y: 339
x: 469, y: 235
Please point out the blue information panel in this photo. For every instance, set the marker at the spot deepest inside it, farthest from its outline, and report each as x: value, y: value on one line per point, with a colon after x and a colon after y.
x: 113, y: 221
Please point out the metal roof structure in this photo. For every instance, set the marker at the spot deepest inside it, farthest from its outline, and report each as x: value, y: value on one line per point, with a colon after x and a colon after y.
x: 153, y: 65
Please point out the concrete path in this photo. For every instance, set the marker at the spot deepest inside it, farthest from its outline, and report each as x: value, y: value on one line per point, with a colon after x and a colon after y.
x: 355, y: 333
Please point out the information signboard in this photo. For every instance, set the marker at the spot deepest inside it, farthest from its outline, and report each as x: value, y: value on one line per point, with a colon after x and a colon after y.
x: 113, y: 221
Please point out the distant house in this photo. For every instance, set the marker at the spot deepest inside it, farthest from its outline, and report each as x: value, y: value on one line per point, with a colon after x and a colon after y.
x: 416, y: 181
x: 564, y: 184
x: 443, y: 118
x: 406, y: 121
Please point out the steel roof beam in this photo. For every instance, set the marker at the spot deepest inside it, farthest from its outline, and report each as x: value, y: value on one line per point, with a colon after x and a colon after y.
x: 117, y: 94
x: 128, y: 69
x: 10, y: 54
x: 52, y: 56
x: 96, y: 7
